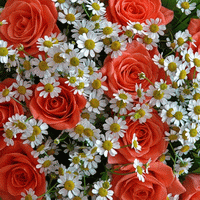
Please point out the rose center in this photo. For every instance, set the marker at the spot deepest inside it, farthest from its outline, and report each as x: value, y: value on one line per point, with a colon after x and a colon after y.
x: 3, y: 51
x: 43, y: 66
x: 69, y: 185
x: 74, y: 61
x: 20, y: 177
x: 89, y: 44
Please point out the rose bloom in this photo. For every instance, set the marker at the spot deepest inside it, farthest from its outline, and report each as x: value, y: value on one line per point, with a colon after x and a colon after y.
x: 62, y: 112
x: 122, y: 72
x: 7, y: 109
x: 150, y: 136
x: 192, y: 186
x: 28, y: 20
x: 18, y: 172
x: 158, y: 183
x: 122, y: 11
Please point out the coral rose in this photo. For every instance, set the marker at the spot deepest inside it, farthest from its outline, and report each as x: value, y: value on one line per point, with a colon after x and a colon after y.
x: 158, y: 183
x: 18, y: 172
x: 192, y: 186
x: 122, y: 72
x: 122, y: 11
x: 28, y: 20
x: 62, y: 112
x: 7, y: 109
x: 150, y: 136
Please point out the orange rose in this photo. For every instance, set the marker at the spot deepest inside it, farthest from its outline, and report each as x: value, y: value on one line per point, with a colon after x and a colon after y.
x: 150, y: 136
x: 18, y: 172
x: 122, y: 72
x: 122, y: 11
x: 62, y: 112
x: 192, y: 186
x: 7, y: 109
x: 28, y: 20
x: 158, y: 183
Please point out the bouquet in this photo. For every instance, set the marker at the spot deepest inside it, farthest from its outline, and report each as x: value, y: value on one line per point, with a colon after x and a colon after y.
x: 99, y: 99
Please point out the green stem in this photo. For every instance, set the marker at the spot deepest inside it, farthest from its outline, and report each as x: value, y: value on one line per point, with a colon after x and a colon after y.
x: 83, y: 5
x: 48, y: 191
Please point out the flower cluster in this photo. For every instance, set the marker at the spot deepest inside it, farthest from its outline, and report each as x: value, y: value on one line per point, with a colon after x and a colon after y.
x: 99, y: 100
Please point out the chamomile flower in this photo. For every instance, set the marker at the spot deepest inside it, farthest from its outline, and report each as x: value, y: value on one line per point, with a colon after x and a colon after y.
x: 96, y: 103
x: 75, y: 160
x: 81, y: 27
x: 5, y: 51
x: 96, y: 7
x: 117, y: 46
x: 90, y: 116
x: 121, y: 95
x: 3, y: 22
x: 135, y: 144
x: 128, y: 33
x: 153, y: 28
x: 171, y: 136
x: 158, y: 60
x: 187, y: 54
x: 6, y: 94
x: 22, y: 92
x: 192, y: 132
x: 164, y: 157
x: 66, y: 48
x: 195, y: 61
x: 13, y: 60
x: 181, y: 39
x: 136, y: 27
x: 30, y: 194
x: 170, y: 197
x: 69, y: 15
x: 102, y: 192
x: 47, y: 164
x: 148, y: 42
x: 194, y: 109
x: 183, y: 165
x: 42, y: 69
x: 49, y: 88
x: 89, y: 44
x: 184, y: 148
x: 140, y: 94
x: 141, y: 113
x: 109, y: 29
x: 70, y: 185
x: 9, y: 134
x: 44, y: 44
x: 26, y: 66
x: 186, y: 6
x: 107, y: 144
x: 62, y: 4
x: 115, y: 125
x: 139, y: 170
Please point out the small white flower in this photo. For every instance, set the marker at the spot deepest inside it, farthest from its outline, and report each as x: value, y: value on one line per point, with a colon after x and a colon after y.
x: 121, y: 95
x: 96, y: 7
x: 186, y: 6
x: 139, y: 170
x: 135, y: 144
x: 5, y: 51
x: 30, y: 194
x: 148, y: 42
x: 136, y: 27
x: 6, y: 94
x: 194, y: 109
x: 49, y: 88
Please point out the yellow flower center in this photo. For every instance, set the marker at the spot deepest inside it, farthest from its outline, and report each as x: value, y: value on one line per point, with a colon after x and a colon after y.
x: 135, y: 144
x: 89, y: 44
x: 115, y: 127
x: 162, y: 158
x: 77, y: 198
x: 185, y: 148
x: 169, y: 112
x: 28, y: 197
x: 69, y: 185
x: 102, y: 192
x: 21, y: 125
x: 154, y: 28
x: 94, y: 103
x: 193, y: 132
x: 197, y: 110
x: 178, y: 115
x: 138, y: 27
x: 96, y: 84
x: 27, y: 65
x: 121, y: 104
x: 128, y: 33
x: 172, y: 66
x: 43, y: 66
x: 107, y: 41
x: 74, y: 61
x: 48, y: 43
x: 180, y: 41
x: 79, y: 129
x: 139, y: 170
x: 76, y: 160
x: 187, y: 57
x: 196, y: 96
x: 96, y: 6
x: 88, y: 132
x: 147, y: 40
x: 85, y: 116
x: 115, y: 46
x: 91, y: 71
x: 9, y: 134
x: 107, y: 30
x: 157, y: 94
x: 196, y: 62
x: 5, y: 92
x: 48, y: 87
x: 61, y: 1
x: 36, y: 130
x: 12, y: 57
x: 83, y: 30
x: 173, y: 137
x: 80, y: 73
x: 46, y: 163
x: 21, y: 89
x: 72, y: 80
x: 57, y: 58
x: 161, y: 61
x: 70, y: 17
x: 185, y: 5
x: 3, y: 51
x: 95, y: 18
x: 31, y: 138
x: 182, y: 74
x: 61, y: 171
x: 40, y: 148
x: 67, y: 51
x: 107, y: 145
x: 106, y: 185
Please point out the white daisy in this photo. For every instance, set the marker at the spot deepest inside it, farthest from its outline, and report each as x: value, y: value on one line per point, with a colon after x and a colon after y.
x: 96, y: 7
x: 136, y: 27
x: 186, y: 6
x: 135, y: 144
x: 140, y: 94
x: 194, y: 109
x: 148, y: 42
x: 5, y: 51
x: 30, y: 194
x: 6, y: 94
x: 139, y: 170
x: 192, y: 132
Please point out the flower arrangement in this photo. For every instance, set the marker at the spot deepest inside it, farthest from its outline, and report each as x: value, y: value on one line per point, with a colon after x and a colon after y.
x: 99, y: 99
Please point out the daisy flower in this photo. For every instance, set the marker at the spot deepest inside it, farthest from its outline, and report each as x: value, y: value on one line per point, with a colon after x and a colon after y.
x: 121, y: 95
x: 70, y: 185
x: 107, y: 144
x: 5, y: 51
x: 186, y: 6
x: 26, y: 66
x: 96, y: 7
x: 69, y: 15
x: 183, y: 165
x: 158, y: 60
x: 139, y: 170
x: 6, y: 94
x: 184, y: 148
x: 128, y: 34
x: 89, y: 44
x: 49, y: 87
x: 75, y: 160
x: 181, y: 39
x: 194, y: 109
x: 141, y: 112
x: 140, y: 94
x: 136, y: 27
x: 171, y: 136
x: 96, y: 103
x: 135, y: 144
x: 148, y: 42
x: 117, y: 46
x: 62, y: 4
x: 192, y: 132
x: 44, y: 44
x: 22, y: 92
x: 115, y: 125
x: 9, y: 134
x: 3, y: 22
x: 30, y: 194
x: 101, y: 192
x: 153, y: 29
